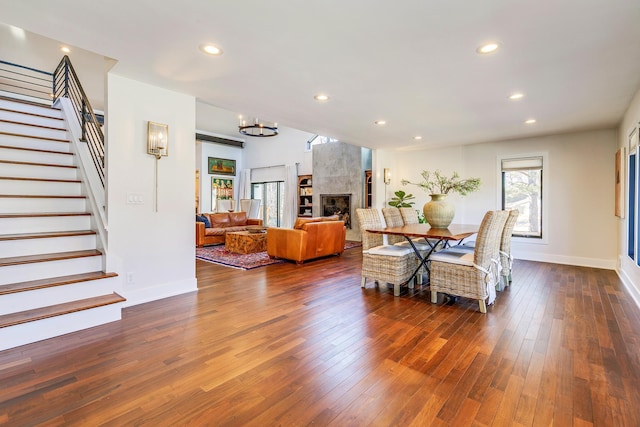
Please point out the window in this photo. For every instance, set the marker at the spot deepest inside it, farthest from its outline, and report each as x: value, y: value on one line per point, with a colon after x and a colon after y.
x: 522, y: 190
x: 272, y: 206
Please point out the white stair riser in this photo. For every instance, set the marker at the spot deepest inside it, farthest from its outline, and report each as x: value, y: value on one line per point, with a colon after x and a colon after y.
x: 28, y: 118
x: 37, y: 298
x: 42, y: 144
x: 44, y: 224
x: 40, y: 188
x: 33, y: 130
x: 28, y: 108
x: 28, y: 205
x: 25, y: 247
x: 26, y: 333
x: 35, y: 171
x: 15, y: 155
x: 45, y: 270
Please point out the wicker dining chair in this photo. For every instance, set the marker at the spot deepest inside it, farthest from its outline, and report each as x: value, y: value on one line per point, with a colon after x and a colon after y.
x: 505, y: 246
x: 393, y: 218
x: 383, y: 263
x: 471, y: 274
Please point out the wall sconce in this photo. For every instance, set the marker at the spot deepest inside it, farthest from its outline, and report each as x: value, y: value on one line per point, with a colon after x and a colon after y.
x: 387, y: 176
x: 157, y: 139
x: 157, y: 146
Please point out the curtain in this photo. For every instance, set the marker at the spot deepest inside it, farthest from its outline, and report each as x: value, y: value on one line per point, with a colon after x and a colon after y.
x: 244, y: 189
x: 290, y: 201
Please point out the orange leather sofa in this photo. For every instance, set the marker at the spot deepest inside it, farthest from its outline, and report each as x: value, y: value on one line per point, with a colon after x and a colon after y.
x: 310, y: 238
x: 221, y: 223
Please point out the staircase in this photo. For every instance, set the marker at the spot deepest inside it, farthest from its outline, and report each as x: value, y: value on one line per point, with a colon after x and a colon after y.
x: 51, y: 269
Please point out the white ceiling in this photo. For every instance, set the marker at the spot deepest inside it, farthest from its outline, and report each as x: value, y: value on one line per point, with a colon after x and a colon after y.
x: 410, y: 62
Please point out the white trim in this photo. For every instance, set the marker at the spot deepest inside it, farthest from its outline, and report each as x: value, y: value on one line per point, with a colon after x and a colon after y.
x: 546, y: 189
x: 628, y: 284
x: 607, y: 264
x: 156, y: 292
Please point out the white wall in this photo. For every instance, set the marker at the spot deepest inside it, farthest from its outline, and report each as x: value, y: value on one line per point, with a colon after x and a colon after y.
x: 579, y: 188
x: 287, y: 147
x: 628, y: 271
x: 153, y: 252
x: 206, y: 150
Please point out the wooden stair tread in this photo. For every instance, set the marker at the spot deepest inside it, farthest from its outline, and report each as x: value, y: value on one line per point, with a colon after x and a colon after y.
x: 14, y: 178
x: 45, y: 235
x: 59, y: 309
x: 24, y: 101
x: 43, y: 214
x: 13, y: 122
x: 58, y: 256
x: 38, y: 196
x: 34, y: 137
x: 14, y: 162
x: 54, y: 281
x: 28, y: 113
x: 11, y: 147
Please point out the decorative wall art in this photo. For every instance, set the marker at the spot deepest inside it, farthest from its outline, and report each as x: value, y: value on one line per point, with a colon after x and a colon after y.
x: 219, y: 166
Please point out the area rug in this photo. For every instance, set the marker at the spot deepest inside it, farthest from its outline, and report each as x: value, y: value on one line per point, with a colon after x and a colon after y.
x: 218, y: 255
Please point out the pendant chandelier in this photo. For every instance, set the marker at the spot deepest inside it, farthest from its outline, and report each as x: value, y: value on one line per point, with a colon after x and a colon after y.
x: 257, y: 128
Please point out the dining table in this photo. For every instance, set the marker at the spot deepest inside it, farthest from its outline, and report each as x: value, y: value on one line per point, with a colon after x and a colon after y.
x: 432, y: 236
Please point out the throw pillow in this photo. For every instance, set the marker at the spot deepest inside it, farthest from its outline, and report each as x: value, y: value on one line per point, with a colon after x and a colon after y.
x: 202, y: 218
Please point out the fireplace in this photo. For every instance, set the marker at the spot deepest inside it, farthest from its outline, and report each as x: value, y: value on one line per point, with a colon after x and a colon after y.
x: 337, y: 204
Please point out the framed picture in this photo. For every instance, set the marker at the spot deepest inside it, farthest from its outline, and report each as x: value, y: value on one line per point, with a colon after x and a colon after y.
x: 619, y: 186
x: 221, y: 189
x: 221, y: 166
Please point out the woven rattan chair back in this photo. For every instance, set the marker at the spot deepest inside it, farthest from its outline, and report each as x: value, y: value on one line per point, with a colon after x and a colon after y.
x: 488, y: 241
x: 393, y: 218
x: 369, y: 218
x: 409, y: 215
x: 505, y: 242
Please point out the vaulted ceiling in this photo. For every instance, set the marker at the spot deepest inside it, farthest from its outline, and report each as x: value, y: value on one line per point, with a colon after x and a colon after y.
x: 411, y: 63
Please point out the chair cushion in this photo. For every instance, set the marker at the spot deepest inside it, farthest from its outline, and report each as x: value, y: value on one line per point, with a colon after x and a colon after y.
x: 453, y: 257
x: 419, y: 246
x: 389, y: 250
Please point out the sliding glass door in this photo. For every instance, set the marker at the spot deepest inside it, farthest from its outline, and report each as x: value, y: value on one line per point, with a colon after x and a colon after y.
x: 272, y: 196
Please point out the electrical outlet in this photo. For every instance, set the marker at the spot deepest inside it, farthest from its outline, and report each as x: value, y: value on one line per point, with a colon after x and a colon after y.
x: 130, y: 277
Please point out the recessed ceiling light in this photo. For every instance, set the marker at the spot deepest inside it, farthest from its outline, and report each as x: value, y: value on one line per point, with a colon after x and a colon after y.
x: 516, y: 95
x: 321, y: 97
x: 530, y: 121
x: 417, y: 137
x: 381, y: 122
x: 488, y: 48
x: 211, y: 49
x: 65, y: 49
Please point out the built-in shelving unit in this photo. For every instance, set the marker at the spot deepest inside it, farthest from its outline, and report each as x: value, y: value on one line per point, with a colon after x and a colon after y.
x: 367, y: 189
x: 305, y: 195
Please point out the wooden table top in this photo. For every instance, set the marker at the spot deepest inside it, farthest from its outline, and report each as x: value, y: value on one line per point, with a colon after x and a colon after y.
x: 453, y: 232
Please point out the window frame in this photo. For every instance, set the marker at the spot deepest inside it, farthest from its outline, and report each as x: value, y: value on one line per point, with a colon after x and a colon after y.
x: 632, y: 208
x: 544, y: 212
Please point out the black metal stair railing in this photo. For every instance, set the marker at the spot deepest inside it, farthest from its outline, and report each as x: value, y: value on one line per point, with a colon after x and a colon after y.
x: 66, y: 84
x: 21, y: 81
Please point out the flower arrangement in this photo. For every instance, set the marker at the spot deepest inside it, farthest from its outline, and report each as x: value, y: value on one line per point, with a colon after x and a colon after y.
x: 437, y: 183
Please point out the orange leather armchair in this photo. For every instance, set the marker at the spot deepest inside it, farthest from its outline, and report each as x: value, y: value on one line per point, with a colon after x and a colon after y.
x: 309, y: 239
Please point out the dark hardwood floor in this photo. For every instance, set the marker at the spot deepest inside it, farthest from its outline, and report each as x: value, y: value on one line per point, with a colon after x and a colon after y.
x: 305, y: 345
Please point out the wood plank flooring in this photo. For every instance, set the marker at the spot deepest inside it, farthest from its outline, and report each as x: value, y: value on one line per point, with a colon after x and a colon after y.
x: 305, y: 345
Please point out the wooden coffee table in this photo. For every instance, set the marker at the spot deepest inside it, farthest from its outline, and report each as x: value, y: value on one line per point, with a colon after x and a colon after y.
x: 243, y: 242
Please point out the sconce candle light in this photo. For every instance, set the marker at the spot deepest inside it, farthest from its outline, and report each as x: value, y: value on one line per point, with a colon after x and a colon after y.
x: 387, y: 176
x: 157, y: 146
x: 157, y: 139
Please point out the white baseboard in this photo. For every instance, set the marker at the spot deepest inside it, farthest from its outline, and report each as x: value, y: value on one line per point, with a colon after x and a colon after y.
x: 628, y: 283
x: 165, y: 290
x: 568, y: 260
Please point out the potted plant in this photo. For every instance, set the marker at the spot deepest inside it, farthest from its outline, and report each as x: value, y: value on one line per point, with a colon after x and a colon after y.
x: 400, y: 200
x: 439, y: 212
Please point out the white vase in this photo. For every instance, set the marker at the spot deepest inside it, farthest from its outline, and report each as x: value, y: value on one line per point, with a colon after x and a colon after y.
x: 438, y: 212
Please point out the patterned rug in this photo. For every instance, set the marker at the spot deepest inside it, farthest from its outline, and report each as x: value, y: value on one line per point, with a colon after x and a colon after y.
x: 218, y: 255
